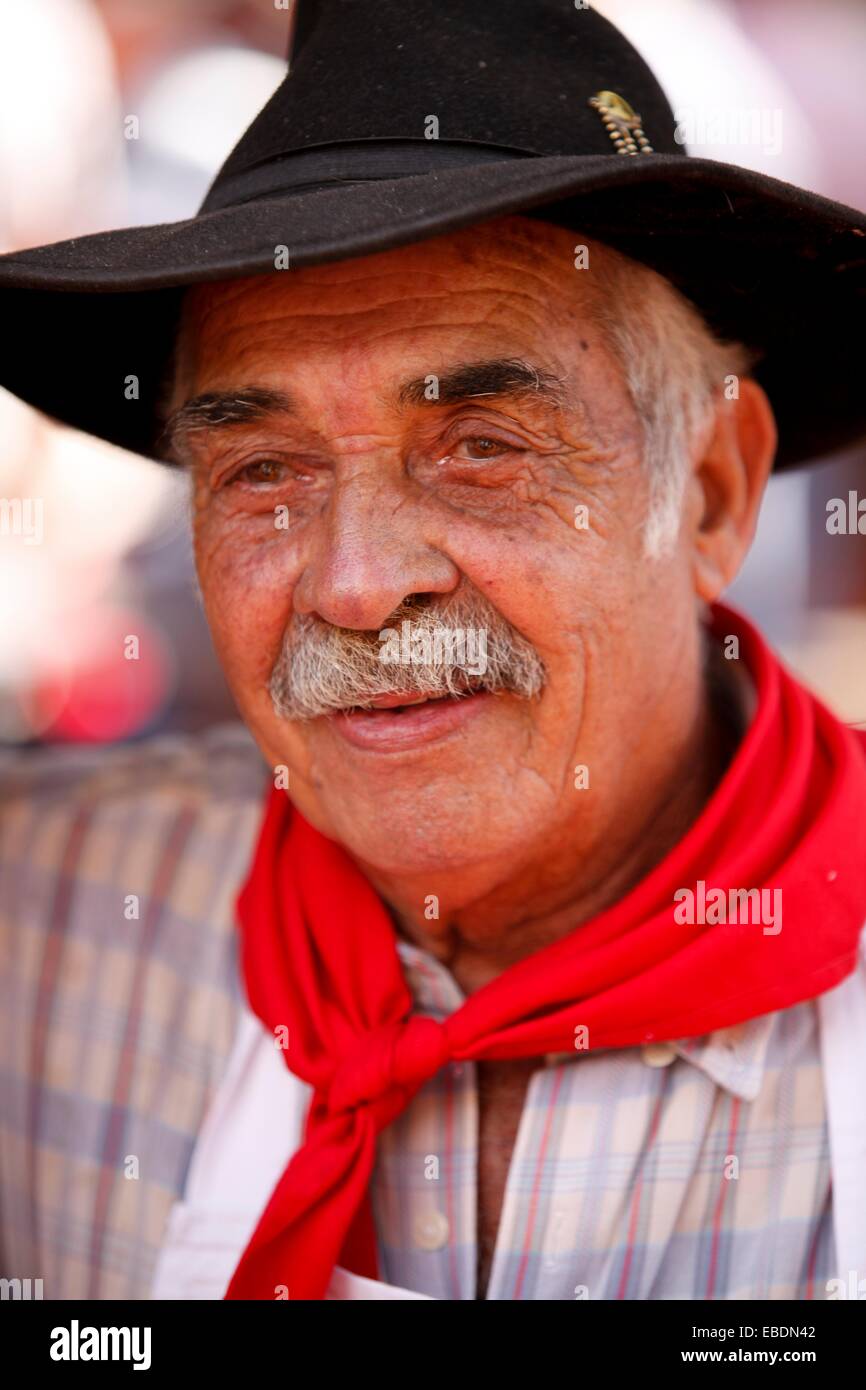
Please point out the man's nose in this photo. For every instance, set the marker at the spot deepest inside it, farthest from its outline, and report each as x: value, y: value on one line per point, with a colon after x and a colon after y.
x: 368, y: 552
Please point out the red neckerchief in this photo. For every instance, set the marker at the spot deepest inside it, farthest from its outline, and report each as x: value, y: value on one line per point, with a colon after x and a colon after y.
x: 320, y: 959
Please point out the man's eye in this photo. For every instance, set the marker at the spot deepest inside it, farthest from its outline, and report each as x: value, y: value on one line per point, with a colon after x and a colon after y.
x: 482, y: 446
x: 262, y: 471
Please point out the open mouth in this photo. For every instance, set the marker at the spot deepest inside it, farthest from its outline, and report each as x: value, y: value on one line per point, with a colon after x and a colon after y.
x: 398, y: 702
x: 402, y: 720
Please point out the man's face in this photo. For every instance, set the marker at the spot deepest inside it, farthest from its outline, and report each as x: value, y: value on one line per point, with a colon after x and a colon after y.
x: 367, y: 489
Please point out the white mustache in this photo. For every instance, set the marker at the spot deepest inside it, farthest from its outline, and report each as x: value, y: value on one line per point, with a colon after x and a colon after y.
x: 322, y: 668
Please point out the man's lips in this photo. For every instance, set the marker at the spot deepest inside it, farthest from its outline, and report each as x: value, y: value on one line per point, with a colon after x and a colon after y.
x: 399, y: 721
x: 398, y: 698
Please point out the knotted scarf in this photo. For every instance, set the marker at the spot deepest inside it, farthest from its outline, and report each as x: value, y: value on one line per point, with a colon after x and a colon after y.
x: 320, y: 961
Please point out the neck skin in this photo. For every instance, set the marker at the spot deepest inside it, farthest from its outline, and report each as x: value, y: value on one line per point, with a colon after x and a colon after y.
x: 479, y: 939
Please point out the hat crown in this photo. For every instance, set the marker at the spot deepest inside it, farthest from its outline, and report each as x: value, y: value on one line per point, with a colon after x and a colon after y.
x: 516, y: 75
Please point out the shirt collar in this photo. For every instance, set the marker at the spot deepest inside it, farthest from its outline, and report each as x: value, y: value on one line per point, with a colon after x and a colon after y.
x: 734, y: 1058
x: 431, y: 983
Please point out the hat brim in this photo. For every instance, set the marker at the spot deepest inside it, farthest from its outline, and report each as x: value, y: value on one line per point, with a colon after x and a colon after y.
x: 774, y: 266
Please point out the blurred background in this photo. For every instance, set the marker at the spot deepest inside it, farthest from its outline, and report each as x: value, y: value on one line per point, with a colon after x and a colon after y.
x: 94, y: 543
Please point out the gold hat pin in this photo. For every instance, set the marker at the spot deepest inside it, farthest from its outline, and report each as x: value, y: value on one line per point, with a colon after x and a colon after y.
x: 621, y: 122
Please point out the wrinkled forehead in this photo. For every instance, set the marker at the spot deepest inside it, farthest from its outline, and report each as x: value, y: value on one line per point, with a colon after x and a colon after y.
x: 519, y: 276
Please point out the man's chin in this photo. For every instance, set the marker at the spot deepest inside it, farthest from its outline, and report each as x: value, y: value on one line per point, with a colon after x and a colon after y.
x: 422, y: 789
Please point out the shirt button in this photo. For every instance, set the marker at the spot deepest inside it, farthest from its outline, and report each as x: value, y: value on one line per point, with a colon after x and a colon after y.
x: 658, y: 1054
x: 431, y: 1230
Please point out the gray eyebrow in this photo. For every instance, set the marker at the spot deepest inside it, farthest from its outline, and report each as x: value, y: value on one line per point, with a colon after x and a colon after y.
x: 498, y: 376
x: 219, y: 409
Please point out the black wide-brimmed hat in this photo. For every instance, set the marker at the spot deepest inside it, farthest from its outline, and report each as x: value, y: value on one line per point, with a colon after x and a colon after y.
x: 398, y: 122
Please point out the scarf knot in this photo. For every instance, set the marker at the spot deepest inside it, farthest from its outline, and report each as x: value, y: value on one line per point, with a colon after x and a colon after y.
x: 320, y: 956
x: 398, y: 1056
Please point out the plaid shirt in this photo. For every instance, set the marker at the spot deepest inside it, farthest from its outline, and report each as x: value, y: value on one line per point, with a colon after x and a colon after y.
x: 697, y: 1170
x: 700, y: 1171
x: 119, y: 994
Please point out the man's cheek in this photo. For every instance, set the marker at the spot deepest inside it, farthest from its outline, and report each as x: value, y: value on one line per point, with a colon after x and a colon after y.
x: 247, y: 628
x: 233, y: 571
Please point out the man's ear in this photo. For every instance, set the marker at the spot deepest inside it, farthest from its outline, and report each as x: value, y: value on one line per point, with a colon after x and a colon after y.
x: 727, y: 484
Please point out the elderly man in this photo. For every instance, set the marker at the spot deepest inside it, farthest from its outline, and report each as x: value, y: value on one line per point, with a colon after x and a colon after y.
x: 548, y: 982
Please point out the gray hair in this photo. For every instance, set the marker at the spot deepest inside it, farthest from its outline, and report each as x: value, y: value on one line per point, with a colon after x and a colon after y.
x: 675, y: 369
